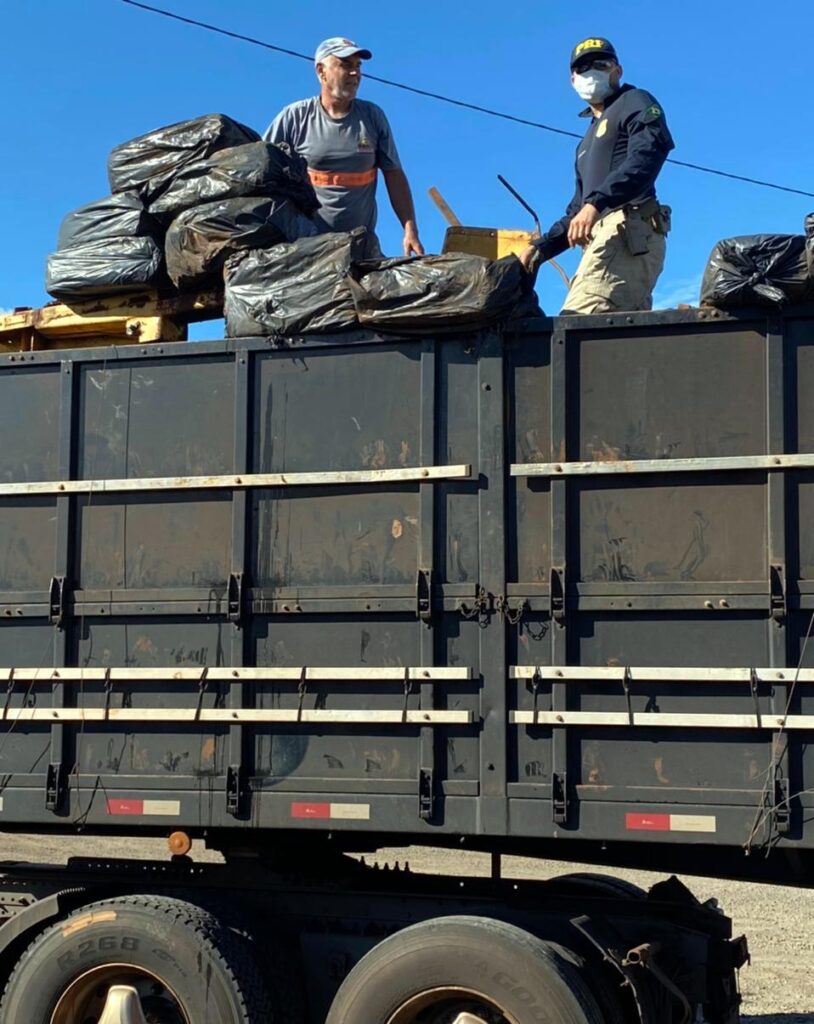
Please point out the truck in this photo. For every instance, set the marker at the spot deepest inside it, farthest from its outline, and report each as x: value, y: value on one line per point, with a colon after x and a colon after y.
x: 543, y: 587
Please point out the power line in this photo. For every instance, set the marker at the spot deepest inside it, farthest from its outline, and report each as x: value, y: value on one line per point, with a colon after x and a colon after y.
x: 452, y: 101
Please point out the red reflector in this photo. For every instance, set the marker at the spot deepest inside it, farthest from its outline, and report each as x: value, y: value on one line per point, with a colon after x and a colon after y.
x: 310, y: 810
x: 647, y: 822
x: 125, y: 806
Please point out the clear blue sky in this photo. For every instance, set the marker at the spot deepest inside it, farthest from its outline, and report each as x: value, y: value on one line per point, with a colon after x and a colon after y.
x: 79, y: 76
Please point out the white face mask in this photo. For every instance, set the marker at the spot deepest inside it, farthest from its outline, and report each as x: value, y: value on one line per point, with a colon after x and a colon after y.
x: 593, y: 86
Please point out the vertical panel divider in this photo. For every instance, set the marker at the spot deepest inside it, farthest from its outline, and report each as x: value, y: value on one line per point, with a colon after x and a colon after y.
x: 777, y: 621
x: 429, y: 785
x: 57, y: 776
x: 559, y: 586
x: 492, y: 469
x: 237, y: 790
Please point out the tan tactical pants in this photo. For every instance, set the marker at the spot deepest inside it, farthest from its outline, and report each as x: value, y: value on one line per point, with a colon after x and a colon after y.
x: 609, y: 278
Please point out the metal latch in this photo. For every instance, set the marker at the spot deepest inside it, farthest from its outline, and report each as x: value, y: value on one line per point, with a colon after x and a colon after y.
x: 559, y: 798
x: 557, y: 594
x: 426, y: 794
x: 423, y: 595
x: 235, y: 789
x: 777, y: 583
x: 56, y: 601
x: 235, y: 597
x: 54, y: 785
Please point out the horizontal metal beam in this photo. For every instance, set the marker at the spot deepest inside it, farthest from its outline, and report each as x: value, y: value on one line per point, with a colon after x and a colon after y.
x: 650, y: 719
x: 628, y: 467
x: 256, y: 716
x: 416, y: 474
x: 618, y: 673
x: 271, y: 674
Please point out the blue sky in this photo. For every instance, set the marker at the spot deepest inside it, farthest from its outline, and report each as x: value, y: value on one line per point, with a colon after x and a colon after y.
x: 79, y: 76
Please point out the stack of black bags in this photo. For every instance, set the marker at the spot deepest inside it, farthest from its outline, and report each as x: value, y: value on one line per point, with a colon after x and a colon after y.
x: 764, y: 270
x: 185, y: 198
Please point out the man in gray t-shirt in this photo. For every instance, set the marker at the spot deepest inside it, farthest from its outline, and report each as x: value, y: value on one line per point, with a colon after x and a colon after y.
x: 346, y: 142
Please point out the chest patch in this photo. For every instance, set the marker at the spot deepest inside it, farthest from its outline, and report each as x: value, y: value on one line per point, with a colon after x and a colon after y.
x: 365, y: 143
x: 601, y: 128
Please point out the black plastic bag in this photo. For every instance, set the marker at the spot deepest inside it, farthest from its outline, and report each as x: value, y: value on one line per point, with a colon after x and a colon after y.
x: 451, y: 291
x: 809, y: 227
x: 757, y: 269
x: 200, y: 240
x: 121, y: 216
x: 301, y: 288
x: 256, y: 169
x: 149, y: 163
x: 107, y: 266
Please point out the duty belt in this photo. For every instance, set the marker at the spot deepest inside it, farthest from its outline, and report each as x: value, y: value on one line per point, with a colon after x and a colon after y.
x: 342, y: 179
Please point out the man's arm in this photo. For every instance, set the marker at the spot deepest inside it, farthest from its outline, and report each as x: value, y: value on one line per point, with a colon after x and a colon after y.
x: 401, y: 199
x: 649, y: 142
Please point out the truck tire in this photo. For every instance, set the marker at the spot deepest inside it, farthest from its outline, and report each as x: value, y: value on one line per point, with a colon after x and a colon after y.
x: 470, y: 969
x: 187, y: 967
x: 599, y: 883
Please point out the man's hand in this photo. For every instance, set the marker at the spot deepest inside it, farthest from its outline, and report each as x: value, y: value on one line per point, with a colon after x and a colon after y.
x: 580, y: 230
x: 411, y: 243
x: 526, y: 257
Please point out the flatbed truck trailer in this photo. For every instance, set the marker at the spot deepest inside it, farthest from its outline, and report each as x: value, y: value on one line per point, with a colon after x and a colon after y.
x: 545, y: 588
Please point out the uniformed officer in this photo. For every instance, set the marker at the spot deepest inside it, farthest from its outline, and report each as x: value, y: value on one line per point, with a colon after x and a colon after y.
x: 346, y: 142
x: 614, y: 214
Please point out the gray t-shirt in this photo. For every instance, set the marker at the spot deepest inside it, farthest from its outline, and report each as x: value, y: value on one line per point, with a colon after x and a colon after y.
x: 354, y: 145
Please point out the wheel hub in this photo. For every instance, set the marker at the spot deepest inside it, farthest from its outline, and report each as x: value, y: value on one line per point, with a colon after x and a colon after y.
x: 450, y: 1006
x: 118, y: 994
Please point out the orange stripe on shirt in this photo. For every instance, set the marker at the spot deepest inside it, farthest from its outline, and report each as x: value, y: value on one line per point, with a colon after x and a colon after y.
x: 342, y: 179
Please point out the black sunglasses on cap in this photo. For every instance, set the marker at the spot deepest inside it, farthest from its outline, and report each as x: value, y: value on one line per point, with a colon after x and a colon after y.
x: 597, y: 63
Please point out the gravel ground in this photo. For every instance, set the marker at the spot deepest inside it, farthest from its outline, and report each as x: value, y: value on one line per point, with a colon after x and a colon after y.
x: 778, y: 988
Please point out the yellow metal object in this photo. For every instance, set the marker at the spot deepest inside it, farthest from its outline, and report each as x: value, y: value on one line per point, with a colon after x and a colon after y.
x: 493, y: 243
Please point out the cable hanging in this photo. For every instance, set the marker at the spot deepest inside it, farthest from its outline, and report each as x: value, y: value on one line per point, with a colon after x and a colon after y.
x: 450, y: 99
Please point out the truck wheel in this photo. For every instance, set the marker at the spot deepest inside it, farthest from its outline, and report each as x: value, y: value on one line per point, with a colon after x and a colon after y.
x: 185, y: 965
x: 465, y: 970
x: 602, y: 884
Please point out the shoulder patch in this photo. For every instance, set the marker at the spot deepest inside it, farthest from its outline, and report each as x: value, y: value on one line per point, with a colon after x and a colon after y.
x: 652, y: 113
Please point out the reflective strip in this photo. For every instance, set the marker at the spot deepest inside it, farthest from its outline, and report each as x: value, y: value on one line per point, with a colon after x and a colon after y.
x: 603, y: 467
x: 342, y: 179
x: 670, y: 822
x: 347, y: 812
x: 160, y: 808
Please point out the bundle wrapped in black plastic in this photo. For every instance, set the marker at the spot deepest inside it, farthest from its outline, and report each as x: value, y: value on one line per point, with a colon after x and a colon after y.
x: 451, y: 291
x: 320, y: 285
x: 121, y: 216
x: 757, y: 269
x: 103, y: 267
x: 256, y: 169
x: 149, y: 163
x: 200, y: 240
x: 293, y: 289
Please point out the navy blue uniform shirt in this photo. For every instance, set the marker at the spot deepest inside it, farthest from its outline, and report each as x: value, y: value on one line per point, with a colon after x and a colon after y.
x: 617, y: 162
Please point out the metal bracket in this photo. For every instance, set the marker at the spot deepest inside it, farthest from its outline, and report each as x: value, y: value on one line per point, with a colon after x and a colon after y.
x: 426, y: 794
x: 559, y: 797
x: 235, y: 597
x: 781, y: 811
x: 777, y: 583
x: 235, y: 789
x: 56, y: 601
x: 557, y: 594
x: 423, y: 595
x: 54, y: 786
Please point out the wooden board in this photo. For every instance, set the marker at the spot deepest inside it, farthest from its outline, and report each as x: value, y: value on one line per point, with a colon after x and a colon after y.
x: 134, y: 319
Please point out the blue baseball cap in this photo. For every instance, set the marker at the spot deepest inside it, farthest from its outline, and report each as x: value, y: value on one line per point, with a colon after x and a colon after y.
x: 338, y: 46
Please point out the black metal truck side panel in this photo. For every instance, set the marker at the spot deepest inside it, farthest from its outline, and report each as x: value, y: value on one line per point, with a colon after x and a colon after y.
x: 501, y: 564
